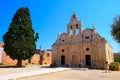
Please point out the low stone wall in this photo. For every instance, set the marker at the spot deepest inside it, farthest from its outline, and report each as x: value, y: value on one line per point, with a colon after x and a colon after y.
x: 6, y: 60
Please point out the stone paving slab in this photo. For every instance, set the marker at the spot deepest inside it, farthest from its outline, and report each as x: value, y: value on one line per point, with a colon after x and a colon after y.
x: 28, y: 72
x: 77, y: 74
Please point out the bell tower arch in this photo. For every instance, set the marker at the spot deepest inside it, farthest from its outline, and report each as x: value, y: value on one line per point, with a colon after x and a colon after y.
x: 75, y: 26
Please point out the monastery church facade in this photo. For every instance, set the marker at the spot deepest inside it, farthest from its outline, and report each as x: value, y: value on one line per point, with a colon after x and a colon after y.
x: 81, y: 48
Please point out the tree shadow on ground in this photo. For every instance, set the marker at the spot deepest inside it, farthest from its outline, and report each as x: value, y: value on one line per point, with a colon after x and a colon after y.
x: 10, y: 66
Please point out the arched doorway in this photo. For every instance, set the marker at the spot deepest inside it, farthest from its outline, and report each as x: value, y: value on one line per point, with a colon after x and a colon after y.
x: 88, y: 60
x: 62, y: 60
x: 74, y: 60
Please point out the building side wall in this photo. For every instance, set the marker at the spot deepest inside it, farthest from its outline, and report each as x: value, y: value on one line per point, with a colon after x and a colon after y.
x: 109, y: 53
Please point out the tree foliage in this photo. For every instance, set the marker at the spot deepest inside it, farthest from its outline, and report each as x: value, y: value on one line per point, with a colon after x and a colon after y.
x: 116, y: 29
x: 117, y: 59
x: 19, y: 39
x: 114, y: 66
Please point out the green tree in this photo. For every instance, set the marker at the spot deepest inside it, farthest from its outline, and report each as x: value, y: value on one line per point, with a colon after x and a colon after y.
x: 116, y: 29
x: 20, y: 39
x: 117, y: 59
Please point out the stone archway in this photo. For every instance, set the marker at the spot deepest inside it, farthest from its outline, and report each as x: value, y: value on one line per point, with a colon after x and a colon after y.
x: 62, y: 60
x: 74, y: 60
x: 88, y: 60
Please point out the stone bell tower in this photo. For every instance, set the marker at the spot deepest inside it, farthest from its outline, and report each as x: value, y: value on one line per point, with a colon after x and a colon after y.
x: 75, y: 26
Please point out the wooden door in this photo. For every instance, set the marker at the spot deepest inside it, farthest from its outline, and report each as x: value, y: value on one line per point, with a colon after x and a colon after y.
x: 74, y: 60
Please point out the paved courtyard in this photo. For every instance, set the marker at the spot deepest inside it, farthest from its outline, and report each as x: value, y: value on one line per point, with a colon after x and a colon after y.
x: 77, y: 74
x: 46, y: 73
x: 12, y: 73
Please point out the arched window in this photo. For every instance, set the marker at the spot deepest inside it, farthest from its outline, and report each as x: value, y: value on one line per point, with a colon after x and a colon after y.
x: 71, y: 30
x: 77, y: 29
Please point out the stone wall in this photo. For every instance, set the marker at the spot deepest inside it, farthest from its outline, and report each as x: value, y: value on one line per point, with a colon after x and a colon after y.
x: 6, y: 60
x: 80, y: 47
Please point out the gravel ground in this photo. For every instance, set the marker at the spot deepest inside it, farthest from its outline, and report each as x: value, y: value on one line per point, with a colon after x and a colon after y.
x: 77, y: 75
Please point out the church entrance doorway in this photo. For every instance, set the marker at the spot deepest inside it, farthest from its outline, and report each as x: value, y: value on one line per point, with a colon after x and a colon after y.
x: 88, y: 60
x: 74, y: 60
x: 62, y: 60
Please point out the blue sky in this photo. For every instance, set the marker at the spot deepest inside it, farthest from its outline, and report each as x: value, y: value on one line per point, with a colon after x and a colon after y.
x: 52, y: 16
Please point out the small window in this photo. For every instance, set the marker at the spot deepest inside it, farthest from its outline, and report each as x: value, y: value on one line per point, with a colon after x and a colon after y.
x: 87, y: 37
x: 63, y: 50
x: 48, y: 54
x: 87, y: 49
x: 63, y: 40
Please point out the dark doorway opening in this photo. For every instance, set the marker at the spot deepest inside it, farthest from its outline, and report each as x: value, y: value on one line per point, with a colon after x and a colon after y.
x: 62, y: 60
x: 88, y: 60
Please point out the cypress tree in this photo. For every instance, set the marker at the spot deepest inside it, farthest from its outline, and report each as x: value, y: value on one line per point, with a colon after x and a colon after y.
x: 20, y: 39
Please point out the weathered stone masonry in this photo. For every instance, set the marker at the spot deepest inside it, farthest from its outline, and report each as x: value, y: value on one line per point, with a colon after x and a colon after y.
x: 77, y: 47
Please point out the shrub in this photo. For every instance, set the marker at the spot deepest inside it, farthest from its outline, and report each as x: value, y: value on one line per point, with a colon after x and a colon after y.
x: 26, y: 63
x: 33, y: 63
x: 1, y: 64
x: 114, y: 66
